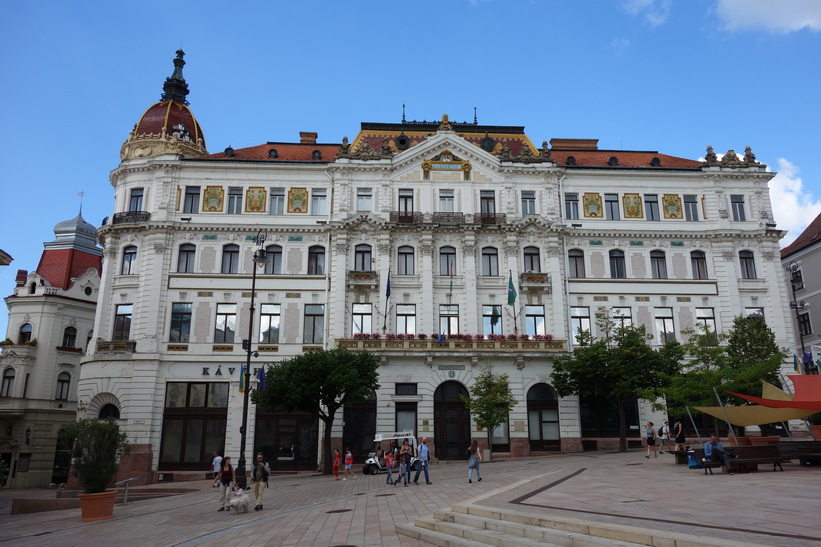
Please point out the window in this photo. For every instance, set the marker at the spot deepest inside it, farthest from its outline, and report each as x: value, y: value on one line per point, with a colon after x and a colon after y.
x: 406, y: 318
x: 362, y: 258
x: 699, y: 263
x: 136, y: 202
x: 277, y: 201
x: 406, y: 417
x: 230, y: 259
x: 617, y: 268
x: 490, y: 261
x: 706, y: 323
x: 7, y: 388
x: 24, y: 334
x: 571, y: 206
x: 797, y: 279
x: 532, y: 261
x: 658, y: 264
x: 737, y: 203
x: 448, y: 319
x: 804, y: 325
x: 316, y: 260
x: 446, y: 201
x: 405, y: 202
x: 318, y: 196
x: 122, y: 322
x: 447, y: 261
x: 404, y: 389
x: 651, y: 207
x: 534, y: 320
x: 109, y: 411
x: 753, y: 312
x: 747, y: 265
x: 623, y: 317
x: 362, y: 316
x: 690, y: 208
x: 69, y: 337
x: 364, y: 199
x: 274, y: 264
x: 579, y: 321
x: 528, y: 203
x: 129, y: 264
x: 234, y: 201
x: 664, y: 325
x: 405, y: 261
x: 269, y: 315
x: 226, y: 323
x: 185, y: 260
x: 575, y: 262
x: 63, y: 383
x: 492, y: 320
x: 180, y: 328
x: 487, y: 202
x: 611, y: 206
x: 192, y: 200
x: 314, y: 327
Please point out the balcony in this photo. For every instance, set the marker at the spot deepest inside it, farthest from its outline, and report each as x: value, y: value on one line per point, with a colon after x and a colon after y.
x: 448, y: 218
x: 406, y: 217
x: 534, y: 281
x: 131, y: 216
x: 461, y: 346
x: 117, y: 346
x: 491, y: 218
x: 360, y: 279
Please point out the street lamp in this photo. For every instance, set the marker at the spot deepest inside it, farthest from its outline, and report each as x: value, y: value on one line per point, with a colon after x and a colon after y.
x: 797, y: 282
x: 260, y: 258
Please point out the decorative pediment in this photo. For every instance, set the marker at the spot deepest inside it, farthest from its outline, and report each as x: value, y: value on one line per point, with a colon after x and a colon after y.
x: 364, y: 221
x: 446, y: 161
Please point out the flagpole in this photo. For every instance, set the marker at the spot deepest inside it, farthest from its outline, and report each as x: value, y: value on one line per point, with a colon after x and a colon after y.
x: 387, y: 298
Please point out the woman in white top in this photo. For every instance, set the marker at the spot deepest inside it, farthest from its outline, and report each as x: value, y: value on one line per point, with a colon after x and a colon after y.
x: 473, y: 462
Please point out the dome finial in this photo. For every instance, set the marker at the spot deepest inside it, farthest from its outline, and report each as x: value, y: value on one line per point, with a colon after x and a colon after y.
x: 175, y: 89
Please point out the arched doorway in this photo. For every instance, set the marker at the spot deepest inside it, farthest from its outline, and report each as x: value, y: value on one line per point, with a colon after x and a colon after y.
x: 451, y: 422
x: 359, y: 427
x: 543, y: 418
x: 62, y: 457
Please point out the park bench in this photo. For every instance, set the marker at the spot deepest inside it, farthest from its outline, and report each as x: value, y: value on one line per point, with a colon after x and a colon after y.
x: 806, y: 452
x: 745, y: 458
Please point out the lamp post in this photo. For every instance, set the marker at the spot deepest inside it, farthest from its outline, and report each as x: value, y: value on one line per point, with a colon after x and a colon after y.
x: 260, y: 258
x: 797, y: 282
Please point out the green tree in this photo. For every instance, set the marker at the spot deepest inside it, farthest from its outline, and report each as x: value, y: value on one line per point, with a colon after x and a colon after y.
x: 490, y: 402
x: 320, y: 382
x: 620, y: 366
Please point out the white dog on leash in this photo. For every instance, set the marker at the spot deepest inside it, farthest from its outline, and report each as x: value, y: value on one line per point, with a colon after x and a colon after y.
x: 239, y: 502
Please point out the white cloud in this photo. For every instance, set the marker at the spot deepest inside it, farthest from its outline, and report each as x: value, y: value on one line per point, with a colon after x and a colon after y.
x: 620, y: 45
x: 782, y: 16
x: 655, y: 12
x: 793, y: 207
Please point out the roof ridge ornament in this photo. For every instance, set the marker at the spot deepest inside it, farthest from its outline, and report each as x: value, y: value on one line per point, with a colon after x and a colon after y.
x: 175, y: 88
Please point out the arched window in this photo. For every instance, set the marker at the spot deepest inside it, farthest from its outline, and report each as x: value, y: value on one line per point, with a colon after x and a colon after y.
x: 575, y: 260
x: 129, y: 264
x: 230, y: 259
x: 447, y: 261
x: 274, y: 264
x: 362, y: 258
x: 7, y: 388
x: 63, y: 383
x: 109, y: 411
x: 405, y: 261
x: 699, y: 263
x: 316, y: 260
x: 185, y: 261
x: 490, y: 261
x: 747, y: 265
x: 533, y: 262
x: 25, y: 334
x: 69, y: 337
x: 658, y: 264
x: 617, y: 268
x: 32, y: 288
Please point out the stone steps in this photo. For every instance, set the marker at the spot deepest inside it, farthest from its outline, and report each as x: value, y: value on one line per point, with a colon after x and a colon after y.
x: 473, y: 525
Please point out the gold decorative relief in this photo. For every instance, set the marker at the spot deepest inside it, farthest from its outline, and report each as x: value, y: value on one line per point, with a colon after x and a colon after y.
x: 632, y: 206
x: 592, y: 204
x: 255, y: 200
x: 671, y: 203
x: 298, y: 200
x: 213, y: 199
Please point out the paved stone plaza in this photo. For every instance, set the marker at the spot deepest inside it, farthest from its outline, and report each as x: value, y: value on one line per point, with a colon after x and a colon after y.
x: 766, y: 507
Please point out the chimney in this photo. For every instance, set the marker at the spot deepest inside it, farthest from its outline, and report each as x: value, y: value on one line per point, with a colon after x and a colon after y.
x: 574, y: 144
x: 306, y: 137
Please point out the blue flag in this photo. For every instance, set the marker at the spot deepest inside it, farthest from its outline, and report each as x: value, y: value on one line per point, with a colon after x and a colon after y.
x: 441, y: 339
x: 795, y: 366
x: 388, y: 288
x: 261, y: 377
x: 242, y: 378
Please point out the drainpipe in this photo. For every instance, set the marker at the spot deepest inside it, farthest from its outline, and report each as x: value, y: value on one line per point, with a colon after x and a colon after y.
x: 328, y: 264
x: 564, y: 257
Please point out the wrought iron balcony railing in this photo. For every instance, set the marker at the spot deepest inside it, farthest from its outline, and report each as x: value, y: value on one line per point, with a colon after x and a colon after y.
x: 131, y: 216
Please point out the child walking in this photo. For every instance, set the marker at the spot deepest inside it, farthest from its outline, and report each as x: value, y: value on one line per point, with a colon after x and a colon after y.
x: 348, y: 464
x: 337, y: 458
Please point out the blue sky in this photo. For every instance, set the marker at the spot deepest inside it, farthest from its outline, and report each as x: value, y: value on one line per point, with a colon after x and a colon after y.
x: 665, y: 75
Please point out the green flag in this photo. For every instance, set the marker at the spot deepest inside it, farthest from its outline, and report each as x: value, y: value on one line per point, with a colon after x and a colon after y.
x: 511, y: 291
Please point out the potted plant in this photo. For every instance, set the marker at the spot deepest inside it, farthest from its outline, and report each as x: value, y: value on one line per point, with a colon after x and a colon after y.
x: 97, y: 448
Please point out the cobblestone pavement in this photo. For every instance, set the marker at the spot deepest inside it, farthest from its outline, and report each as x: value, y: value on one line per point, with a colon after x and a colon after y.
x: 779, y: 508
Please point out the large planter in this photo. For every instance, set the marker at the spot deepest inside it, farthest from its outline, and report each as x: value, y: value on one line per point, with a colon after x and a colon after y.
x: 99, y: 506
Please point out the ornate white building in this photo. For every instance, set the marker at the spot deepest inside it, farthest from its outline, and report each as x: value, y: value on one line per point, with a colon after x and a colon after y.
x: 446, y: 214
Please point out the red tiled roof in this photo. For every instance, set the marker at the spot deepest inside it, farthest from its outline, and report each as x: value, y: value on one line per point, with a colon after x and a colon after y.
x: 285, y: 152
x: 58, y: 266
x: 810, y: 236
x: 626, y: 158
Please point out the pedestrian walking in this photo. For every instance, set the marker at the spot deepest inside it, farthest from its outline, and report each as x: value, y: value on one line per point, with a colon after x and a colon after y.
x: 337, y: 460
x: 651, y: 440
x: 259, y: 476
x: 473, y: 462
x: 664, y: 433
x: 678, y: 433
x: 389, y: 466
x: 423, y: 453
x: 216, y: 463
x: 348, y: 464
x: 405, y: 453
x: 227, y: 479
